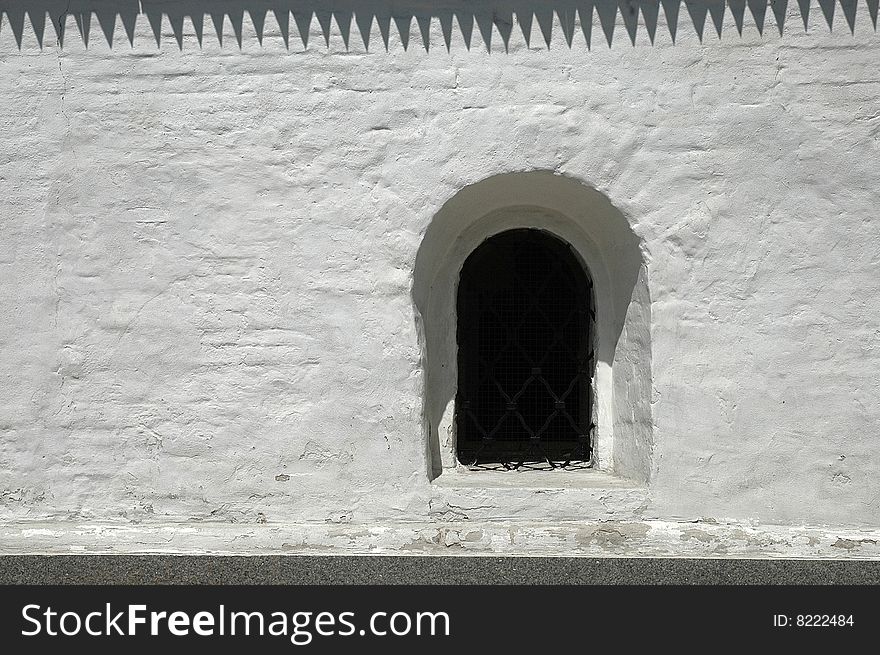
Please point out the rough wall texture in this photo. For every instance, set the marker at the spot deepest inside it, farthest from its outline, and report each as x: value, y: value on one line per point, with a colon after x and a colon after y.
x: 206, y: 261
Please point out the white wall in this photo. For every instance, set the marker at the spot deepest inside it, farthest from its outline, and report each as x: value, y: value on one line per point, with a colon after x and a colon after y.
x: 206, y: 261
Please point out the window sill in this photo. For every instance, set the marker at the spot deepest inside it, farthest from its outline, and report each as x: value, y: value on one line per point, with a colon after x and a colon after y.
x: 462, y: 477
x: 538, y: 496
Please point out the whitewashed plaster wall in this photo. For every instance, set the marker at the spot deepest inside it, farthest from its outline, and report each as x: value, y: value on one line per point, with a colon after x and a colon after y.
x: 206, y: 270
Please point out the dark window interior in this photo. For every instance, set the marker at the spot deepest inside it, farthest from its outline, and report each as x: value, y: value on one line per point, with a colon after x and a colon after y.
x: 525, y: 355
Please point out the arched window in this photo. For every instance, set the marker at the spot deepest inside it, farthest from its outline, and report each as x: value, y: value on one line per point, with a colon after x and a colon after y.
x: 525, y: 354
x: 598, y: 268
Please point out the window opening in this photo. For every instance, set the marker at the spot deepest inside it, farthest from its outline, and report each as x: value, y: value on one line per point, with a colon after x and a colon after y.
x: 525, y: 355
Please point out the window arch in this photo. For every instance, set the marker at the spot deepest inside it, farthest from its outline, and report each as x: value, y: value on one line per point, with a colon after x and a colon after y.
x: 525, y: 354
x: 601, y: 240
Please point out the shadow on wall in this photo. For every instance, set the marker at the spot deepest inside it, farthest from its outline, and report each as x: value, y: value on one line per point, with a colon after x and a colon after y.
x: 488, y: 18
x: 603, y: 239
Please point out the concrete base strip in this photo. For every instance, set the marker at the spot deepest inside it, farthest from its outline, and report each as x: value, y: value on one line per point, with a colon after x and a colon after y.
x: 581, y: 539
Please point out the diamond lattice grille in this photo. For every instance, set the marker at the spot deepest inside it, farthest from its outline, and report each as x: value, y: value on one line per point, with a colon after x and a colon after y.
x: 525, y: 355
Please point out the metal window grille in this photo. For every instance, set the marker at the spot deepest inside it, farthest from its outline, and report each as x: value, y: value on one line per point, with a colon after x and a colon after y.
x: 525, y: 355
